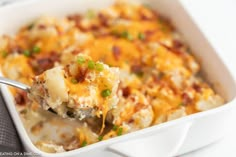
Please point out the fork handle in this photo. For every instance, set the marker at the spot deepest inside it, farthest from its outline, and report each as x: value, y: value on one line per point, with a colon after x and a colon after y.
x: 14, y: 84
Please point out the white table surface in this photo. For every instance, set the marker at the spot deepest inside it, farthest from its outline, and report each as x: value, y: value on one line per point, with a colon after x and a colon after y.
x: 217, y: 18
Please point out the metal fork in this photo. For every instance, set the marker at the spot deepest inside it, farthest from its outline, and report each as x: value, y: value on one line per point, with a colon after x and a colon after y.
x: 15, y: 84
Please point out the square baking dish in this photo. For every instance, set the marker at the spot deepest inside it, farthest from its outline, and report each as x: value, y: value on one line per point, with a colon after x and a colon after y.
x: 168, y: 139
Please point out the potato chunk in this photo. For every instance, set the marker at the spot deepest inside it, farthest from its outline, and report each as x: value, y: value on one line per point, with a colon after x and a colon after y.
x: 83, y: 88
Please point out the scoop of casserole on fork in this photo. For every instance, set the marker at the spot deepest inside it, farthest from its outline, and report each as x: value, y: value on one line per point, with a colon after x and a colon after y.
x: 81, y: 89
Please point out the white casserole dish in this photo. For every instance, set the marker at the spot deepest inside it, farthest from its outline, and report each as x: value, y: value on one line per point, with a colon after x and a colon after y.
x: 168, y: 139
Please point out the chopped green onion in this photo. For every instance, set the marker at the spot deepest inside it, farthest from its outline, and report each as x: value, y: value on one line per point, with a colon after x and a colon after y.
x: 36, y: 49
x: 84, y: 143
x: 164, y: 29
x: 115, y: 127
x: 119, y: 131
x: 161, y: 21
x: 99, y: 66
x: 91, y: 64
x: 181, y: 104
x: 90, y: 14
x: 126, y: 35
x: 74, y: 81
x: 30, y: 26
x: 27, y: 53
x: 147, y: 6
x: 100, y: 138
x: 24, y: 111
x: 130, y: 37
x: 115, y: 32
x: 4, y: 54
x: 80, y: 60
x: 106, y: 93
x: 139, y: 74
x: 141, y: 36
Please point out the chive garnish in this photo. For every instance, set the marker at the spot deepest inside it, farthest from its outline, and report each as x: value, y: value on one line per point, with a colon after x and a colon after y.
x: 74, y: 81
x: 100, y: 138
x: 141, y: 36
x: 4, y: 54
x: 30, y: 26
x: 119, y: 131
x: 126, y: 35
x: 27, y: 53
x: 181, y: 104
x: 91, y: 64
x: 36, y: 49
x: 90, y: 14
x: 84, y: 143
x: 99, y: 66
x: 115, y: 127
x: 80, y: 60
x: 106, y: 93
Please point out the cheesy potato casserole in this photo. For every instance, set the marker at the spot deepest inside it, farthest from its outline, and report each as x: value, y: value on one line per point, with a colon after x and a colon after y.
x: 135, y: 71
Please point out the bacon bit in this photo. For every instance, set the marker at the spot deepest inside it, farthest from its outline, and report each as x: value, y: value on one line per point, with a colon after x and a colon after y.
x: 21, y: 98
x: 157, y: 78
x: 41, y: 26
x: 137, y: 69
x: 126, y: 92
x: 149, y: 32
x: 147, y: 16
x: 132, y: 98
x: 66, y: 69
x: 177, y: 44
x: 76, y: 18
x: 80, y: 77
x: 164, y: 45
x: 103, y: 19
x: 75, y: 52
x: 94, y: 27
x: 54, y: 56
x: 131, y: 120
x: 144, y: 17
x: 116, y: 52
x: 186, y: 99
x: 83, y: 29
x: 16, y: 48
x: 197, y: 87
x: 42, y: 63
x: 163, y: 20
x: 176, y: 51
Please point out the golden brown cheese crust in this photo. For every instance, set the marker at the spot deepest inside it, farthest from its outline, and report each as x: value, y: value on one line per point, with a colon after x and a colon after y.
x: 159, y: 76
